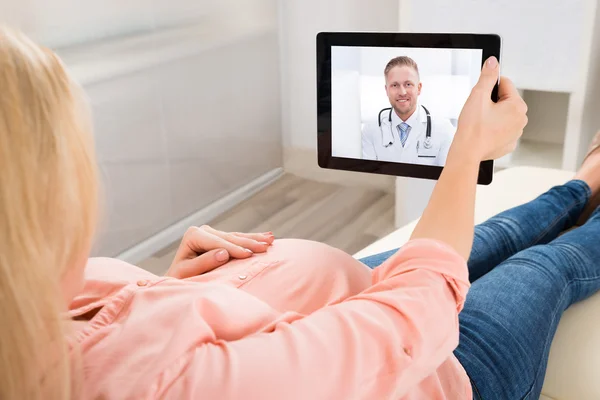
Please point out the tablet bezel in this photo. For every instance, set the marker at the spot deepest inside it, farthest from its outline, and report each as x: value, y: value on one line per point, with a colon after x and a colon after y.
x: 490, y: 44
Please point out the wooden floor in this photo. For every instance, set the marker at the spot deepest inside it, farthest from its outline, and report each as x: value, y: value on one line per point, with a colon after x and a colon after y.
x: 349, y: 218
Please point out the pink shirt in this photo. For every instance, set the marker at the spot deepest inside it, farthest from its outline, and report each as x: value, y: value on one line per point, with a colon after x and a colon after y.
x: 302, y: 321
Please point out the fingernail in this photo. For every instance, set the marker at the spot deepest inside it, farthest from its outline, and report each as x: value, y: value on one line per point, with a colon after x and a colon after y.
x: 268, y: 233
x: 248, y: 251
x: 264, y: 243
x: 492, y: 62
x: 222, y: 255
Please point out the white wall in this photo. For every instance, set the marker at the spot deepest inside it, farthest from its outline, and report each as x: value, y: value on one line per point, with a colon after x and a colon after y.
x: 540, y: 38
x: 160, y: 100
x: 300, y: 21
x: 591, y: 113
x: 164, y: 150
x: 59, y: 23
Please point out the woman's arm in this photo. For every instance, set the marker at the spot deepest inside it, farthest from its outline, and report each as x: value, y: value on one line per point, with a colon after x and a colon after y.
x: 449, y: 215
x: 486, y: 131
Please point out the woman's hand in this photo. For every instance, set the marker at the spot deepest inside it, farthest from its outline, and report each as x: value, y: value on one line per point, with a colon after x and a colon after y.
x: 488, y: 130
x: 204, y: 249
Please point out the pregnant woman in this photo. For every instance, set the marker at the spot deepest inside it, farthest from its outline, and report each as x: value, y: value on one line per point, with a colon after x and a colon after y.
x: 244, y: 316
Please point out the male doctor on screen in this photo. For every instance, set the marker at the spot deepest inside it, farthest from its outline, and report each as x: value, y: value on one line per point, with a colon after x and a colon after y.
x: 407, y: 132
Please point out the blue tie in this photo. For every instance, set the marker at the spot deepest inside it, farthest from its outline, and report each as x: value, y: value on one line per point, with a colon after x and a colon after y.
x: 403, y: 128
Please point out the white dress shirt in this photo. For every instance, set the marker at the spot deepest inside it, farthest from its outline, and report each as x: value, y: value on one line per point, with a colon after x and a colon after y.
x: 374, y: 139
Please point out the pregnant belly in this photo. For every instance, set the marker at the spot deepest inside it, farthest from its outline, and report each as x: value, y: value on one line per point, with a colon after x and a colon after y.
x: 299, y: 275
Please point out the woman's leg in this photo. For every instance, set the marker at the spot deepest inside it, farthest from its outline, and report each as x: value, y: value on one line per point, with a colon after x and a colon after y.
x: 512, y: 312
x: 538, y: 222
x: 511, y: 231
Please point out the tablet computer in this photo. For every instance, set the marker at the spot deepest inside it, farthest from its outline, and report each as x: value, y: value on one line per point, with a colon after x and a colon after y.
x: 388, y: 103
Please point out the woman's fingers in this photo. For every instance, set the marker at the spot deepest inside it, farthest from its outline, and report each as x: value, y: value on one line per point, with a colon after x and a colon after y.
x: 199, y: 265
x: 200, y: 240
x: 251, y: 244
x: 267, y: 237
x: 257, y: 243
x: 205, y: 248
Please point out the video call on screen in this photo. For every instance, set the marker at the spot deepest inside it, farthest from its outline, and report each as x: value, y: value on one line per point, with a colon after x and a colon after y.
x: 408, y: 115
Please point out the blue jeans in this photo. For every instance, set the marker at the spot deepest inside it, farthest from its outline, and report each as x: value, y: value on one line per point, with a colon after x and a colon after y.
x: 524, y: 275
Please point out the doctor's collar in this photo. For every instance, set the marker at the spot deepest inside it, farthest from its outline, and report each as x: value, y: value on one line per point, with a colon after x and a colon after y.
x: 412, y: 120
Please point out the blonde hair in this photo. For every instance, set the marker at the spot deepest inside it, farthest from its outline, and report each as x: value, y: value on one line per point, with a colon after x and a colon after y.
x: 402, y: 61
x: 48, y: 213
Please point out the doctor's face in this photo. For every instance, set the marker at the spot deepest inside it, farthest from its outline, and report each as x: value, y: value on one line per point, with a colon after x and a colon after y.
x: 403, y: 89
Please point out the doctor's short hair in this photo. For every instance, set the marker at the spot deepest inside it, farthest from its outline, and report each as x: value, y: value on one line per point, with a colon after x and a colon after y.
x: 402, y: 61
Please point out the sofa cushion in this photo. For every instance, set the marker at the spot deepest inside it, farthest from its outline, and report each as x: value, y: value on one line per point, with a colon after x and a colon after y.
x: 574, y: 363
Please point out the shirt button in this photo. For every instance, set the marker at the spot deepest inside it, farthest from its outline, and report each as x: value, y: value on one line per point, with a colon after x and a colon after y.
x: 243, y: 277
x: 142, y: 283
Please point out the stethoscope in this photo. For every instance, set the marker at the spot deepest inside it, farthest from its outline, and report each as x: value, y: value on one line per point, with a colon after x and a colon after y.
x: 427, y: 143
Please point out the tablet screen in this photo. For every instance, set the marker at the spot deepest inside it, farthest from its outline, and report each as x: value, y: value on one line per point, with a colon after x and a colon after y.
x: 399, y: 105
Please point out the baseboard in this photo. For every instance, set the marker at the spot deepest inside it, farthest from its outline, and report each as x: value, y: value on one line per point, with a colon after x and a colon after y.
x: 174, y: 232
x: 303, y: 163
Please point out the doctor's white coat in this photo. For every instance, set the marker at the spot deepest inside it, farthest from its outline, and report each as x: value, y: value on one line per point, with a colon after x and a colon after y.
x: 414, y: 151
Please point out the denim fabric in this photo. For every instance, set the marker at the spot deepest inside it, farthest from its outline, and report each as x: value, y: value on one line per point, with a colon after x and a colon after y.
x: 524, y: 274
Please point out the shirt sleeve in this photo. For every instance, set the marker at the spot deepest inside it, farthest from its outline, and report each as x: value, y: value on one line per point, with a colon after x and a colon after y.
x: 368, y: 147
x: 378, y: 344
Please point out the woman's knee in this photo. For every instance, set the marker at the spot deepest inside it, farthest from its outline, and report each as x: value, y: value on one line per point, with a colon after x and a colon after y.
x: 555, y: 269
x: 544, y: 266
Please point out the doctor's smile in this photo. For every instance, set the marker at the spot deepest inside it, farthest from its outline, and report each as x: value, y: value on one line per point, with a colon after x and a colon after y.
x: 404, y: 103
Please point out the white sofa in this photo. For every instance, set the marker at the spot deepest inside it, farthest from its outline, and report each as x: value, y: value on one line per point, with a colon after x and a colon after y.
x: 574, y: 367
